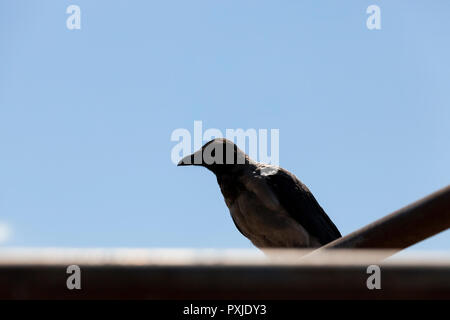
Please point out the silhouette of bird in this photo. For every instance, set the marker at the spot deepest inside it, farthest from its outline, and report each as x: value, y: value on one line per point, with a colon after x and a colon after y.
x: 268, y: 204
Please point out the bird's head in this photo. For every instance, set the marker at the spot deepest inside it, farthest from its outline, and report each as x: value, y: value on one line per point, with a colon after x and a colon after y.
x: 218, y: 155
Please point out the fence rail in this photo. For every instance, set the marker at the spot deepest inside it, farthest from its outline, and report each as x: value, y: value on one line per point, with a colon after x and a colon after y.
x: 292, y: 274
x: 104, y: 275
x: 403, y: 228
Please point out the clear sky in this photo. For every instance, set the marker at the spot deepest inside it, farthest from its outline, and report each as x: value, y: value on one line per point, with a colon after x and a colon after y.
x: 86, y: 115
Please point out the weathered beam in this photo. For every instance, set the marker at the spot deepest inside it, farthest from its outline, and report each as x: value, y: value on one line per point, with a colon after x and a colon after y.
x: 403, y: 228
x: 147, y: 274
x: 226, y: 282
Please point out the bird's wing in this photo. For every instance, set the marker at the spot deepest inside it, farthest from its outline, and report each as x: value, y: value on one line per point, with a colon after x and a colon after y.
x: 301, y: 205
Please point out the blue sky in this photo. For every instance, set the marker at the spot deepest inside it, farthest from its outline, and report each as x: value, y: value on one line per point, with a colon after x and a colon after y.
x: 86, y: 115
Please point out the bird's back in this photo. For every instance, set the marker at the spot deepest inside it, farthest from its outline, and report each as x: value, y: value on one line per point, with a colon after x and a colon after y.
x: 274, y: 209
x: 302, y: 206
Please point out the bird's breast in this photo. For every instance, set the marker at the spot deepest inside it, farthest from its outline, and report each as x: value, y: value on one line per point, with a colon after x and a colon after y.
x: 266, y: 226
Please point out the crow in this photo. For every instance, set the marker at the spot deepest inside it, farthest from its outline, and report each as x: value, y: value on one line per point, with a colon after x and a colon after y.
x: 268, y: 204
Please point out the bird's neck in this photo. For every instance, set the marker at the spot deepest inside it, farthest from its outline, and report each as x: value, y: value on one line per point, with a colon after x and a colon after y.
x: 230, y: 181
x: 230, y: 186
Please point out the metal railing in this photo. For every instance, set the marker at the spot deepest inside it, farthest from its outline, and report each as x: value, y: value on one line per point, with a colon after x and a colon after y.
x: 403, y: 228
x: 322, y: 274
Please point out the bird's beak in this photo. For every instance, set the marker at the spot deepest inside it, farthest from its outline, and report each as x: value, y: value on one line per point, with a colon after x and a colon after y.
x: 186, y: 161
x: 194, y: 159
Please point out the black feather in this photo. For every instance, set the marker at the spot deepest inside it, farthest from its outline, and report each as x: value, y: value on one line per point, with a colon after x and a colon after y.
x: 301, y: 205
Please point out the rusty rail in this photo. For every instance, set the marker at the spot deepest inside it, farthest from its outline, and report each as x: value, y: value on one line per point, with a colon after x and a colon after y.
x: 322, y: 274
x: 141, y: 274
x: 403, y: 228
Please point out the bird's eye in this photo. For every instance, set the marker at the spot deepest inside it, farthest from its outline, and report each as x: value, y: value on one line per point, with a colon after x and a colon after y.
x: 213, y: 153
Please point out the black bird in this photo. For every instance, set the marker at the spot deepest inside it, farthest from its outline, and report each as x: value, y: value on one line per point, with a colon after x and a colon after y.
x: 268, y: 204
